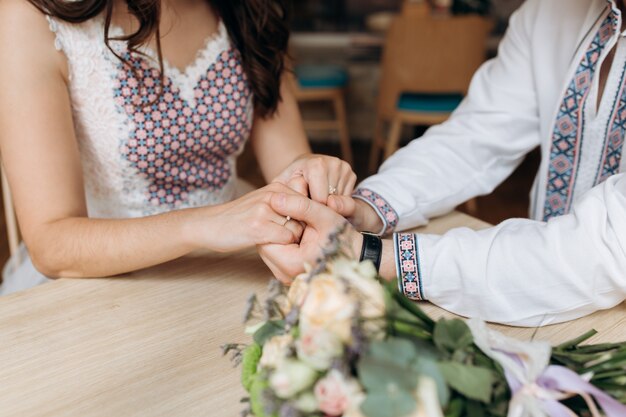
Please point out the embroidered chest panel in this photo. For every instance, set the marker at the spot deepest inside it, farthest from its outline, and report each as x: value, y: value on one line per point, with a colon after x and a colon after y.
x: 180, y: 146
x: 567, y: 135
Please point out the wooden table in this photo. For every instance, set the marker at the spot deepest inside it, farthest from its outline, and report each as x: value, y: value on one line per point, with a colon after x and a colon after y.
x: 147, y: 344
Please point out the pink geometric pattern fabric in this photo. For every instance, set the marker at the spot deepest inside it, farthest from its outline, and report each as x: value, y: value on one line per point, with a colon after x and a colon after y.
x: 567, y: 133
x: 176, y: 145
x: 614, y: 141
x: 408, y: 266
x: 383, y: 208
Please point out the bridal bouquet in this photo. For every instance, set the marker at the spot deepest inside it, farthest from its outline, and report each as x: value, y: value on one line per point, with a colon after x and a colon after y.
x: 339, y: 342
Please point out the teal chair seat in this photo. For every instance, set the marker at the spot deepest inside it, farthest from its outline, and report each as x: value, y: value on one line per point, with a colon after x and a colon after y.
x: 435, y: 103
x: 321, y: 76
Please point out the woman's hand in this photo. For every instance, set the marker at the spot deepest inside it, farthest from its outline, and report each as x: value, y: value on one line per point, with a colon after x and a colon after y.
x: 245, y: 222
x: 287, y: 261
x: 323, y: 178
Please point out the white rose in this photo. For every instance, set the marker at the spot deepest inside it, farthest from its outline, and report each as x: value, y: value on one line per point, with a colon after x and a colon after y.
x: 318, y: 348
x: 334, y: 393
x: 306, y: 403
x: 291, y: 377
x: 363, y: 284
x: 275, y: 351
x: 327, y: 306
x: 354, y: 409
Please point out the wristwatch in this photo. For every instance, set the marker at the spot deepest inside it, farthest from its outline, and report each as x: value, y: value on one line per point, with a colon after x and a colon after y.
x: 372, y: 249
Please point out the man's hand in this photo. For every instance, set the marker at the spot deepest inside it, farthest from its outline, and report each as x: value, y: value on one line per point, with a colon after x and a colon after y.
x: 362, y: 216
x: 287, y: 261
x: 319, y: 176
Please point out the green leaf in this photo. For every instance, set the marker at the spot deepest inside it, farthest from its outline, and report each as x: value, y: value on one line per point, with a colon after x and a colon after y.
x: 268, y: 330
x: 471, y: 381
x: 257, y: 388
x: 428, y: 367
x: 452, y: 335
x: 398, y: 351
x: 249, y: 363
x: 388, y: 404
x: 475, y: 409
x: 410, y: 330
x: 455, y: 408
x: 381, y: 375
x: 408, y: 305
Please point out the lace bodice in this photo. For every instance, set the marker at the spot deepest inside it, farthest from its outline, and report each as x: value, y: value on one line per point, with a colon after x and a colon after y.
x: 143, y: 152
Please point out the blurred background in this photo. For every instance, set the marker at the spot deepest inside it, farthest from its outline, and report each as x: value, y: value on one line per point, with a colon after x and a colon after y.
x: 370, y: 75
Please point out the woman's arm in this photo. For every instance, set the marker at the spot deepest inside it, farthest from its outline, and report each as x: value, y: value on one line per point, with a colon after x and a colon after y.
x: 284, y: 155
x: 280, y: 139
x: 41, y: 158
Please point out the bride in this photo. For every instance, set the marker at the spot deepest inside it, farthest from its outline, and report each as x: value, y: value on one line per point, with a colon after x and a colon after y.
x: 121, y: 122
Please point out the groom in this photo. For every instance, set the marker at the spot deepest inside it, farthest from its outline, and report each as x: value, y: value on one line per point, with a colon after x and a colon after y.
x: 559, y: 82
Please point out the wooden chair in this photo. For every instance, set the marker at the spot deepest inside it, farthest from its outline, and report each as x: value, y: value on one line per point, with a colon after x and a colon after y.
x: 314, y: 83
x: 428, y: 63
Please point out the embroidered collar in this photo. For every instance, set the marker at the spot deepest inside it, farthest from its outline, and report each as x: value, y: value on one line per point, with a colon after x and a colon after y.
x: 617, y: 14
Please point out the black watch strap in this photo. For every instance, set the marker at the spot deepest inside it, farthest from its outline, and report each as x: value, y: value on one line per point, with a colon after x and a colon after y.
x: 372, y: 249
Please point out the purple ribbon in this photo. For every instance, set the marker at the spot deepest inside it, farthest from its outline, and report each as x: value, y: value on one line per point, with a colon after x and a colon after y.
x: 563, y: 380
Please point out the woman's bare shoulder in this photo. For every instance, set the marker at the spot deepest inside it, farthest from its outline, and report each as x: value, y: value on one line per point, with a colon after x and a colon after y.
x: 21, y: 17
x: 25, y: 37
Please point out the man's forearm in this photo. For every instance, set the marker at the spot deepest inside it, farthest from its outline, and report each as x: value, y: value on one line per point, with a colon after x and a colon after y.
x: 388, y: 261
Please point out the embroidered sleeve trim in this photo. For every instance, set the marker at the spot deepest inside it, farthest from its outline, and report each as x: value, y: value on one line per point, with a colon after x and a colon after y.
x: 408, y: 266
x: 384, y: 210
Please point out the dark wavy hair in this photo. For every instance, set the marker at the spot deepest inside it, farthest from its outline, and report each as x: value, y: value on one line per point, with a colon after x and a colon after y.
x: 259, y: 29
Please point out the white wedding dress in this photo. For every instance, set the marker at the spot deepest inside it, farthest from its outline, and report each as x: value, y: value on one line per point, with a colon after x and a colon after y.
x: 145, y: 153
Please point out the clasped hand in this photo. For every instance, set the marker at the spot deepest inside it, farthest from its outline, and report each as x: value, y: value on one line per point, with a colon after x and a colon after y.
x: 290, y: 219
x: 329, y: 182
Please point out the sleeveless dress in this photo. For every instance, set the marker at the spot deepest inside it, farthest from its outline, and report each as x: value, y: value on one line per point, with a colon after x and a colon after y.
x: 150, y: 142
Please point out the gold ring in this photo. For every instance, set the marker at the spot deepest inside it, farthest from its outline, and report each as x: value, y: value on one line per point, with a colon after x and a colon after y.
x: 332, y: 190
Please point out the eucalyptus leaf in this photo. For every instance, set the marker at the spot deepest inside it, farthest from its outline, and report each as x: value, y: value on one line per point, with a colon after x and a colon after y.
x: 388, y: 404
x: 452, y: 335
x: 471, y: 381
x: 268, y: 330
x: 381, y: 375
x: 399, y: 351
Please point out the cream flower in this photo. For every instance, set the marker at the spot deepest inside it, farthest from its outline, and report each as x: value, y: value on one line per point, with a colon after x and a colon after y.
x: 361, y: 278
x: 334, y: 393
x: 291, y: 378
x: 354, y: 409
x: 275, y: 351
x: 327, y: 306
x: 427, y: 399
x: 318, y: 348
x: 298, y: 290
x: 306, y: 403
